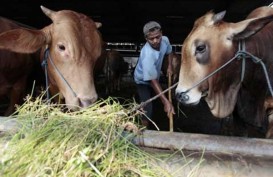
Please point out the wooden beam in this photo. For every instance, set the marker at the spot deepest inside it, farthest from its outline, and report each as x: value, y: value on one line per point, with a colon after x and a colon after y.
x: 209, y: 143
x: 187, y: 141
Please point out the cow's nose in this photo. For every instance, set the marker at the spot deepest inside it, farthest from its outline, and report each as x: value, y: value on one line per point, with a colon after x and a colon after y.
x: 87, y: 102
x: 182, y: 97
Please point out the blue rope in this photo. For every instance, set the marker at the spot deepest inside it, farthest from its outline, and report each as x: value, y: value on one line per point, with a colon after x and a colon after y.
x: 44, y: 65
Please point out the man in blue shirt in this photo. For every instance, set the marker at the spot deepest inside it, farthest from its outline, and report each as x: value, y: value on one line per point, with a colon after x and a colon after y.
x: 148, y: 68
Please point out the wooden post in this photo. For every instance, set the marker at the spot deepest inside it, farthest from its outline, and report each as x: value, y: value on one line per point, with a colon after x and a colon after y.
x: 170, y: 99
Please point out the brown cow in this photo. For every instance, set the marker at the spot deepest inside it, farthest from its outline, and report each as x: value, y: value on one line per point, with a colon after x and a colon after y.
x: 14, y: 71
x: 73, y: 44
x: 114, y: 68
x: 176, y: 62
x: 237, y: 87
x: 112, y: 65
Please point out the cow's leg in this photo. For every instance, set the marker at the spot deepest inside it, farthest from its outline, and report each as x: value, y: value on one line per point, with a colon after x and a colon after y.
x: 116, y: 83
x: 107, y: 86
x: 119, y: 82
x: 112, y: 81
x: 4, y: 96
x: 16, y: 95
x: 108, y: 80
x: 269, y: 110
x: 269, y: 133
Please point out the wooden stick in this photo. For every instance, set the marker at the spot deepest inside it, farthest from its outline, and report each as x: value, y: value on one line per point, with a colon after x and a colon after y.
x: 170, y: 99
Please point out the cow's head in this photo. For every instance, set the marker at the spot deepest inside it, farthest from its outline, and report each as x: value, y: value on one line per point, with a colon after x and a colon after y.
x: 210, y: 44
x: 74, y: 45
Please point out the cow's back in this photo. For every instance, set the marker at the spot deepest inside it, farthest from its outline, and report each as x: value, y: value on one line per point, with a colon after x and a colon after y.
x: 252, y: 98
x: 14, y: 70
x: 10, y: 60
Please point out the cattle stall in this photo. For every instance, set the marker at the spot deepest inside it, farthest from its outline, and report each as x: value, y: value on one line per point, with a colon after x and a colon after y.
x: 199, y: 140
x: 206, y: 145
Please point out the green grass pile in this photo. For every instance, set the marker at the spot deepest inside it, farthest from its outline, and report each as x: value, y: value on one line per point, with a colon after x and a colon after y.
x: 90, y: 142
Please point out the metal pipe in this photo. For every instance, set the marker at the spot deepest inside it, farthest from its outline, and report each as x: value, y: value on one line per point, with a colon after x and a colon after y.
x: 209, y: 143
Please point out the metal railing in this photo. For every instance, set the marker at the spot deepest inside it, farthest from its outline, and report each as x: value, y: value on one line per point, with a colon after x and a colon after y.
x: 133, y: 49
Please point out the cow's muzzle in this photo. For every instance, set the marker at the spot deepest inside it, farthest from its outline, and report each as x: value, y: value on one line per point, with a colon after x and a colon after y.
x: 182, y: 97
x: 87, y: 102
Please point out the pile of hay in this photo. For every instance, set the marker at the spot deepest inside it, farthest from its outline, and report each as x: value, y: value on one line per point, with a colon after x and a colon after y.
x: 90, y: 142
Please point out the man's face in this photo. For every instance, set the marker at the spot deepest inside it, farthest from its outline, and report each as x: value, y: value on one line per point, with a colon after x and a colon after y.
x: 154, y: 38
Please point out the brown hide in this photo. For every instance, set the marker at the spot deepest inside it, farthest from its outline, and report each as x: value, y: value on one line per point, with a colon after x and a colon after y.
x: 74, y: 45
x: 100, y: 63
x: 14, y: 71
x: 176, y: 62
x: 114, y: 69
x: 213, y: 42
x: 112, y: 65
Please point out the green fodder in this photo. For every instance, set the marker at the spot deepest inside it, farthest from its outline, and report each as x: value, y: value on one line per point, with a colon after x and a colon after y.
x: 89, y: 142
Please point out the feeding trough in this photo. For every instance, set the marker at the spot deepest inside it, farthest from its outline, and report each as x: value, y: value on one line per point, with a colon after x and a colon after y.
x: 157, y: 152
x: 254, y: 147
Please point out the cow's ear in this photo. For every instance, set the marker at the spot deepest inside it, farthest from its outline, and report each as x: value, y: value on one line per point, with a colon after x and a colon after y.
x: 98, y: 24
x: 22, y: 40
x: 247, y: 28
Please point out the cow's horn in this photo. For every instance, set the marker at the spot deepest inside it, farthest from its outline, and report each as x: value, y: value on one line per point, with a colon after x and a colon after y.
x: 98, y: 24
x: 47, y: 12
x: 218, y: 17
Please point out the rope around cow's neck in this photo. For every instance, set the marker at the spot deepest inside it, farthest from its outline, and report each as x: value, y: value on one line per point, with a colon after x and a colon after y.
x: 45, y: 63
x: 240, y: 54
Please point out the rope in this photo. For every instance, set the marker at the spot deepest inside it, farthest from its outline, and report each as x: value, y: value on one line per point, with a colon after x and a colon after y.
x: 45, y: 64
x: 259, y: 61
x: 214, y: 72
x: 242, y: 47
x: 143, y: 104
x: 241, y: 54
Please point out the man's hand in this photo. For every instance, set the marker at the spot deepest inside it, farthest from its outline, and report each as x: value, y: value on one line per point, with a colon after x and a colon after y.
x: 168, y: 108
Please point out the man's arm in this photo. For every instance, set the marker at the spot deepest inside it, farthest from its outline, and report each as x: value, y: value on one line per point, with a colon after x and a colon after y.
x: 168, y: 107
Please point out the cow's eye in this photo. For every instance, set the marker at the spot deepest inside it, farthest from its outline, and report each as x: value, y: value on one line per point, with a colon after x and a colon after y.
x: 201, y: 48
x: 202, y: 52
x: 61, y: 47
